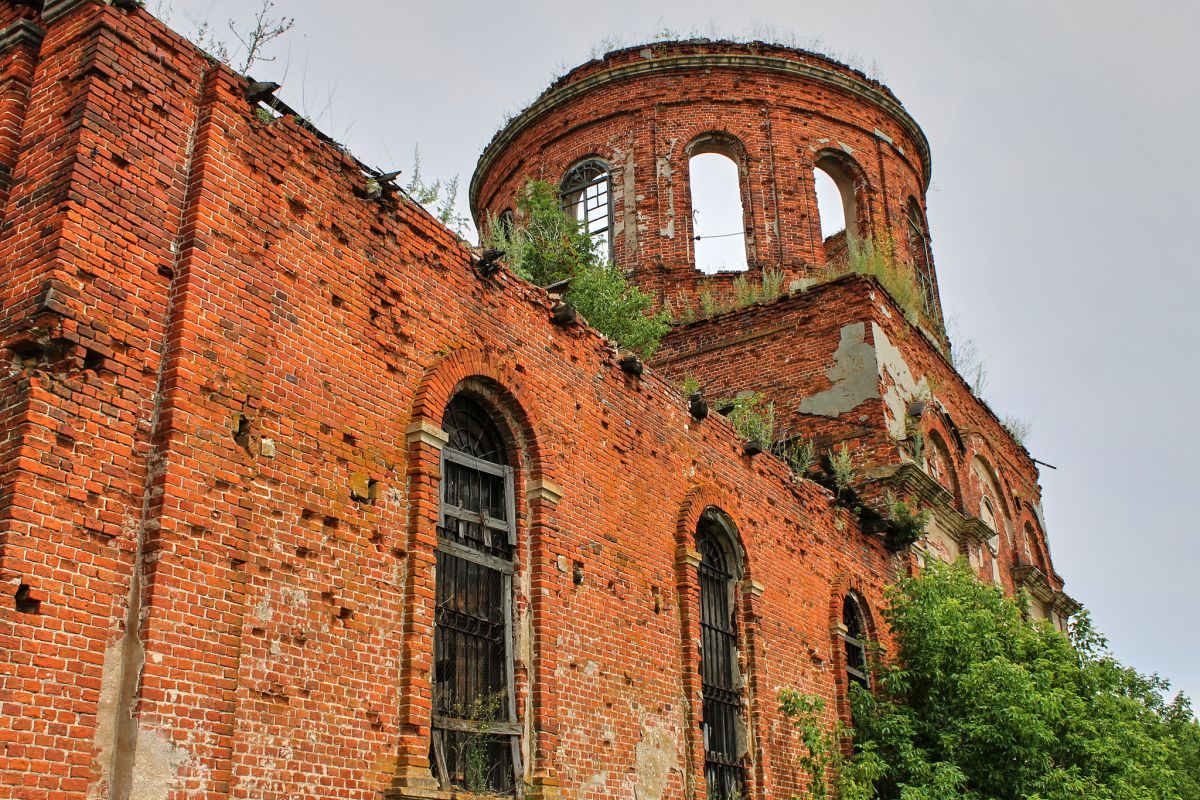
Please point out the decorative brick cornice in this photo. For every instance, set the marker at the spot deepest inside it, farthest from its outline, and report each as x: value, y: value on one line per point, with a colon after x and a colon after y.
x: 699, y: 62
x: 542, y: 489
x: 55, y: 9
x: 21, y: 32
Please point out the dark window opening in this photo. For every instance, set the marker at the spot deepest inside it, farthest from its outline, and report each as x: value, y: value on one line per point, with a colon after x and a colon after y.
x: 854, y: 639
x: 506, y: 222
x: 922, y: 256
x: 475, y: 744
x: 586, y: 195
x: 719, y: 675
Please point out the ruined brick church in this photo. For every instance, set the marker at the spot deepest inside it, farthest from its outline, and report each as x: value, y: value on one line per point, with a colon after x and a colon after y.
x: 300, y: 497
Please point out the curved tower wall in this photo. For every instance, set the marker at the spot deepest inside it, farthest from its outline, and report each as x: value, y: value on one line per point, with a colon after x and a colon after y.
x: 776, y: 111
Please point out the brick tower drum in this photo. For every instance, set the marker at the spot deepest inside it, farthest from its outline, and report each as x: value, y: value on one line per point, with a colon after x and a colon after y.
x: 622, y: 137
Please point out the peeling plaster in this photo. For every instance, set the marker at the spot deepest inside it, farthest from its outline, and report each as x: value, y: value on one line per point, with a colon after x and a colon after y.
x: 156, y: 766
x: 853, y: 375
x: 904, y: 387
x: 663, y: 168
x: 656, y: 757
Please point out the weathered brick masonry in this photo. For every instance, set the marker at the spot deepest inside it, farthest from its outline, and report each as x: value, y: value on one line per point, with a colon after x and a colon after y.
x: 222, y: 391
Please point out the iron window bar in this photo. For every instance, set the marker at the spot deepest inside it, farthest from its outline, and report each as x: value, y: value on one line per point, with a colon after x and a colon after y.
x: 720, y: 691
x: 475, y: 742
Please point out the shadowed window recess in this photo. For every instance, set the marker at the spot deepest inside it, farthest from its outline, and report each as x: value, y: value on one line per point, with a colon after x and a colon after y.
x: 922, y: 255
x: 476, y: 738
x: 854, y: 633
x: 720, y: 675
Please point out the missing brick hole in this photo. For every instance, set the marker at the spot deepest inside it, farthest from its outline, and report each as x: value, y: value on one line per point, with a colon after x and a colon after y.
x: 364, y: 494
x: 337, y: 300
x: 93, y: 360
x: 241, y: 431
x: 345, y: 613
x: 25, y: 603
x: 350, y: 439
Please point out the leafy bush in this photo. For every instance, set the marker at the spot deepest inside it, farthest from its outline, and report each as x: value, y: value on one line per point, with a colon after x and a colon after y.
x: 980, y: 703
x: 546, y: 245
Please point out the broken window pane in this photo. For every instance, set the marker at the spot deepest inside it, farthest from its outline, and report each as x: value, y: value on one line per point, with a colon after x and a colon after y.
x: 854, y: 637
x: 586, y: 195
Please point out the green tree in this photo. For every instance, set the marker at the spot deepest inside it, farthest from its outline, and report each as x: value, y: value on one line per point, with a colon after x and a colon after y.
x: 981, y: 703
x: 545, y: 245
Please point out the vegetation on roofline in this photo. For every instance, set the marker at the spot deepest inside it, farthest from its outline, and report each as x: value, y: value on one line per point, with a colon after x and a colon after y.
x: 981, y: 702
x: 545, y: 245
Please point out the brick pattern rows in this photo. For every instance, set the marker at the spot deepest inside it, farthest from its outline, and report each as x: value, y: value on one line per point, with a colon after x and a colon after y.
x: 212, y: 343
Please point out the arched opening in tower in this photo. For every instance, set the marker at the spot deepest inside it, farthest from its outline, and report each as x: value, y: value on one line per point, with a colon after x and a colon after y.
x: 718, y: 221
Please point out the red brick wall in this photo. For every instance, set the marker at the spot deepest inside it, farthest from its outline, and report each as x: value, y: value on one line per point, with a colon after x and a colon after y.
x: 639, y: 117
x: 218, y: 616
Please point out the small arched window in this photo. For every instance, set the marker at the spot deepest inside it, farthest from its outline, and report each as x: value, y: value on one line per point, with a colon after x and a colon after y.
x: 720, y: 680
x: 718, y: 219
x: 506, y: 222
x: 475, y: 741
x: 837, y: 200
x: 586, y: 195
x: 854, y: 637
x: 921, y: 253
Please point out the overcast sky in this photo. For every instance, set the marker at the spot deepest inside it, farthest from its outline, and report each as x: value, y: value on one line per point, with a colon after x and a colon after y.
x: 1063, y: 211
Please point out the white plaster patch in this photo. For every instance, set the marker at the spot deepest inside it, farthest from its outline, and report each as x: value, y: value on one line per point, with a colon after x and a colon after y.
x: 904, y: 387
x: 156, y: 766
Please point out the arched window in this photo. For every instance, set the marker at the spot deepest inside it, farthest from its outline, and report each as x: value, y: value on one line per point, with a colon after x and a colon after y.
x: 718, y: 219
x: 720, y: 679
x: 854, y: 636
x: 506, y: 222
x: 586, y: 195
x: 837, y: 201
x: 475, y: 743
x: 922, y: 255
x: 939, y: 465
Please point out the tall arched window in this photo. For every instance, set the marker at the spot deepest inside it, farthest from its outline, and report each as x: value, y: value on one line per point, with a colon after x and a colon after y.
x: 718, y: 219
x: 854, y: 637
x: 720, y: 678
x: 586, y: 195
x: 475, y: 744
x: 922, y: 255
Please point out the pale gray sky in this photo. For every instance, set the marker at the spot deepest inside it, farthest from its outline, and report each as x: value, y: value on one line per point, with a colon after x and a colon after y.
x: 1062, y: 209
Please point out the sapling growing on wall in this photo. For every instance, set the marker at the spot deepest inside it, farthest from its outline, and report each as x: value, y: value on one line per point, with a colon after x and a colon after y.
x: 546, y: 245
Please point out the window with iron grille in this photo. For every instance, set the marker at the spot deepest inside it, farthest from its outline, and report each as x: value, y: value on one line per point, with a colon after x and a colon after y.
x: 476, y: 738
x: 922, y: 255
x: 586, y: 195
x: 720, y: 684
x: 854, y: 638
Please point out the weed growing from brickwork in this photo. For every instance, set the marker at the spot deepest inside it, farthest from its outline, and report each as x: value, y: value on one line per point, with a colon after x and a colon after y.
x: 753, y: 418
x: 546, y: 245
x: 1018, y: 428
